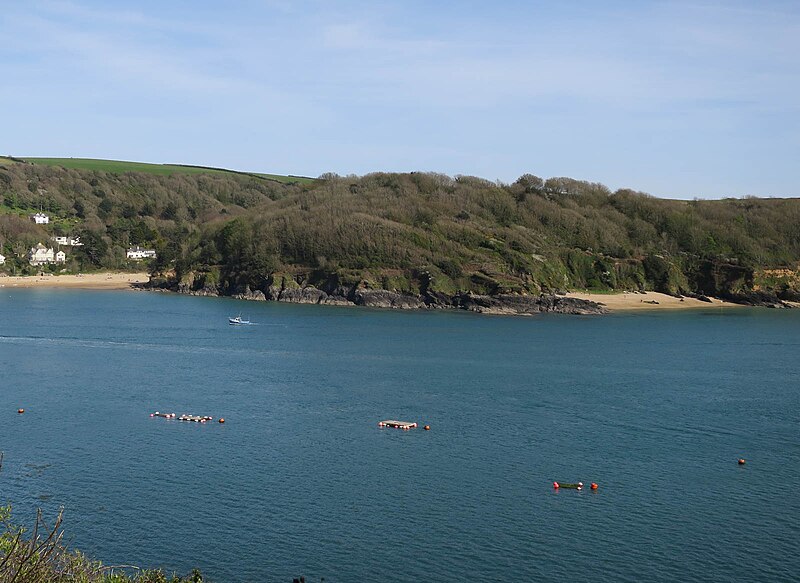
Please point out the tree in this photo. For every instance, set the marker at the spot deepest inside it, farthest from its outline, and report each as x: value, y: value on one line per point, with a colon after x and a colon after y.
x: 94, y: 247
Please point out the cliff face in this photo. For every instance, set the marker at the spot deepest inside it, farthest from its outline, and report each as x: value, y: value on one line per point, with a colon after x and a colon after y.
x: 285, y: 289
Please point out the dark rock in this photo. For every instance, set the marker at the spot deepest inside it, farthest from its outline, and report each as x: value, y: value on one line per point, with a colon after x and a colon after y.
x: 381, y: 298
x: 756, y: 298
x: 789, y: 295
x: 252, y: 295
x: 336, y: 300
x: 306, y: 295
x: 434, y: 299
x: 526, y: 305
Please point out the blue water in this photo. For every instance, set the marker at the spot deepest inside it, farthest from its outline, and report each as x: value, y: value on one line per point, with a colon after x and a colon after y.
x: 656, y: 408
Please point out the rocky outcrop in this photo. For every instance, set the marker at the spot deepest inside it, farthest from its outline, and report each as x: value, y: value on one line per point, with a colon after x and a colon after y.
x: 248, y: 294
x: 284, y: 290
x: 527, y: 305
x: 756, y: 298
x: 306, y: 295
x: 381, y: 298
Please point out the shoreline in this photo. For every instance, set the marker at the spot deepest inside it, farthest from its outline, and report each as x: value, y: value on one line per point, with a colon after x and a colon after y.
x: 96, y: 281
x: 609, y: 302
x: 635, y: 301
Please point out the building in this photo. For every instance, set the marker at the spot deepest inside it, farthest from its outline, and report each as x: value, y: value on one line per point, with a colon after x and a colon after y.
x: 41, y: 255
x: 40, y: 219
x: 137, y: 253
x: 2, y: 259
x: 69, y: 241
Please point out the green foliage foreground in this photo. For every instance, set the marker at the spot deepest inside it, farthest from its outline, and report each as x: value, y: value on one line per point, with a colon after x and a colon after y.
x: 39, y: 556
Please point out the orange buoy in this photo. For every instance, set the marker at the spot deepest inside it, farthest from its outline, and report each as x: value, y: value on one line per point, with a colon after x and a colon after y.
x: 20, y: 411
x: 221, y: 420
x: 555, y: 485
x: 741, y: 461
x: 427, y: 428
x: 593, y: 486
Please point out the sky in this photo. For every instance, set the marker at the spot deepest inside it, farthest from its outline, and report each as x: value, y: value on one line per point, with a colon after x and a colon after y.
x: 677, y: 98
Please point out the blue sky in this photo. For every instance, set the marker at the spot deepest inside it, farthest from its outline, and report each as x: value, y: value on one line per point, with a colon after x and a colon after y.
x: 680, y: 99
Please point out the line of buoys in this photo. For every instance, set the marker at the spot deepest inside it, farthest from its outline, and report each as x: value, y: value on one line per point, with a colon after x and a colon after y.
x: 196, y: 418
x: 164, y: 415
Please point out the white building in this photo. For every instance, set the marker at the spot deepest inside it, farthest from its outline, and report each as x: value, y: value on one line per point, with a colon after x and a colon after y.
x: 2, y: 259
x: 69, y: 241
x: 137, y: 253
x: 41, y: 255
x: 41, y: 219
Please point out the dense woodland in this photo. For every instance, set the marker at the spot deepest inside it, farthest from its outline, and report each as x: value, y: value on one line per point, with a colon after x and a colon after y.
x: 412, y: 233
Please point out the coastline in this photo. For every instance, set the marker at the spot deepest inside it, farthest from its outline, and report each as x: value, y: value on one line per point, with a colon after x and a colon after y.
x: 605, y: 302
x: 97, y: 281
x: 635, y: 301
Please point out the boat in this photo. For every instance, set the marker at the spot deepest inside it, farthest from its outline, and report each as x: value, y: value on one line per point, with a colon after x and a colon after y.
x: 238, y: 321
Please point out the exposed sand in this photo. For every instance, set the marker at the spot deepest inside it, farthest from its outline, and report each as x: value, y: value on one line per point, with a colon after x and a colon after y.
x: 83, y: 281
x: 644, y: 301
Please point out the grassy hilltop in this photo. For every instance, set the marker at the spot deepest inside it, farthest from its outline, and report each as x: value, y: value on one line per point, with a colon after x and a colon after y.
x: 119, y: 166
x: 414, y: 233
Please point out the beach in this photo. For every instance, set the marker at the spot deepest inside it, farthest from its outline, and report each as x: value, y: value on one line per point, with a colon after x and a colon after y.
x: 649, y: 301
x: 614, y: 302
x: 105, y: 281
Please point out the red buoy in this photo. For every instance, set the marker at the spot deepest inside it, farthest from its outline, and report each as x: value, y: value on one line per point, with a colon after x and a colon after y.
x: 741, y: 461
x: 593, y: 486
x: 555, y: 485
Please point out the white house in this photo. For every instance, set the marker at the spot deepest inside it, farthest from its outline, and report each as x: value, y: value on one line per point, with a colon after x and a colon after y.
x: 69, y: 241
x: 41, y: 255
x: 41, y: 219
x: 2, y: 259
x: 137, y: 253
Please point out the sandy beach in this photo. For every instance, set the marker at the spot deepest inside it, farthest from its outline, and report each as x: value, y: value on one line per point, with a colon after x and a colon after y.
x: 649, y: 301
x: 106, y: 281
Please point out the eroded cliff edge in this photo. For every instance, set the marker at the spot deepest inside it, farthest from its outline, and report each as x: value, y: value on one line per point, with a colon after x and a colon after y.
x: 285, y: 289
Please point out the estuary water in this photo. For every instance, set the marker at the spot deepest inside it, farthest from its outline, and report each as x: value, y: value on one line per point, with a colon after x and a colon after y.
x: 654, y: 407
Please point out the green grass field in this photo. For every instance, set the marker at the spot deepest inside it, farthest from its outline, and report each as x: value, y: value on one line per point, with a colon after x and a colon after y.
x: 119, y: 166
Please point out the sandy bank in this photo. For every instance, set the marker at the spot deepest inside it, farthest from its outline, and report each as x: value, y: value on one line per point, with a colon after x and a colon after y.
x: 105, y: 281
x: 649, y: 301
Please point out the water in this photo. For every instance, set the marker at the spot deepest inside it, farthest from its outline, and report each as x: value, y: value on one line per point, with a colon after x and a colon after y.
x: 656, y: 408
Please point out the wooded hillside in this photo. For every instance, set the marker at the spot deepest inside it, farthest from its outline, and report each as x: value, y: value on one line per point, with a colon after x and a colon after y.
x: 410, y: 233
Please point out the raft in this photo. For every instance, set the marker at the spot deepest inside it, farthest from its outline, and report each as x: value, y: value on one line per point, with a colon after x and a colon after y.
x: 397, y: 424
x: 568, y: 485
x: 195, y: 418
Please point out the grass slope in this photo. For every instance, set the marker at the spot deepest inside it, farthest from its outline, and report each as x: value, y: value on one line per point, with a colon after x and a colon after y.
x: 121, y: 166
